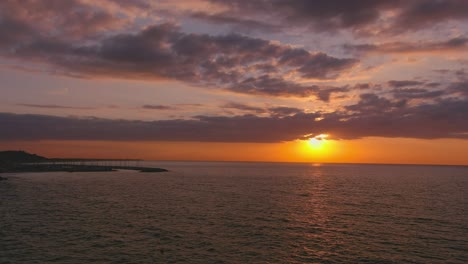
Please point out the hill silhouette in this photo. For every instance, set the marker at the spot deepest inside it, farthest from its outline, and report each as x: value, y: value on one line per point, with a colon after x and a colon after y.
x: 13, y: 156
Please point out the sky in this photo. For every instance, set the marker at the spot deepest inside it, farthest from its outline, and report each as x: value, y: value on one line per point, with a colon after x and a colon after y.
x: 362, y: 81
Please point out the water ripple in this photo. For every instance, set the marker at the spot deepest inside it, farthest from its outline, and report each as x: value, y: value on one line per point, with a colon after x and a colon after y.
x: 238, y: 213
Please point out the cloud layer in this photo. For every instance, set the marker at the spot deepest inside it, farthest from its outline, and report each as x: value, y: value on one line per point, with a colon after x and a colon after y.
x: 359, y: 16
x: 75, y: 43
x: 351, y: 69
x: 371, y: 116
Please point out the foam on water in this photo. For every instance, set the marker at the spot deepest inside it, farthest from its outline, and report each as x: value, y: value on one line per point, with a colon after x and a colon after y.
x: 238, y: 213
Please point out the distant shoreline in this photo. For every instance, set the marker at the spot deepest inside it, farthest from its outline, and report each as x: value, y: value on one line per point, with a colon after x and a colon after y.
x: 20, y: 161
x: 46, y: 167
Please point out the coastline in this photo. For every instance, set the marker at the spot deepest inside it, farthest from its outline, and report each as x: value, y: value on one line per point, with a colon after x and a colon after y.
x: 20, y: 161
x: 45, y: 167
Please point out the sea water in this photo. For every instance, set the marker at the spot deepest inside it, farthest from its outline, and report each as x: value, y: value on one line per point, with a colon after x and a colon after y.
x: 226, y: 212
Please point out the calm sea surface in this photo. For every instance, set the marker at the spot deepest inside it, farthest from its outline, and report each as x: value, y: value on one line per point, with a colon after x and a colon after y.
x: 202, y: 212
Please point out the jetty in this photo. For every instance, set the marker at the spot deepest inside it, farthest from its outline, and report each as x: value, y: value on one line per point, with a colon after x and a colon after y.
x: 20, y: 161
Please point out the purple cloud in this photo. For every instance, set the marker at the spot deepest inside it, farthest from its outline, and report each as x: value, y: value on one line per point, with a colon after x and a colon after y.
x: 372, y: 116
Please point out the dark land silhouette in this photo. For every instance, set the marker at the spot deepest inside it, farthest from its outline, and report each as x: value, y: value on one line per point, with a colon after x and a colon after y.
x: 21, y: 161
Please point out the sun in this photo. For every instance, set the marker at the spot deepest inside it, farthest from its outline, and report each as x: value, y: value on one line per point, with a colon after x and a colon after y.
x: 316, y: 147
x: 318, y: 142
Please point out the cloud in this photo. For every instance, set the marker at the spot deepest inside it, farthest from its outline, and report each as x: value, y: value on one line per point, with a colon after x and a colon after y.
x: 359, y: 16
x: 162, y: 51
x: 404, y: 83
x: 370, y: 103
x: 460, y: 88
x: 104, y: 39
x: 278, y: 111
x: 362, y: 86
x: 159, y: 107
x: 53, y: 106
x: 426, y: 13
x: 238, y: 23
x: 246, y: 128
x: 454, y: 44
x: 134, y: 4
x: 244, y: 107
x: 284, y: 111
x: 416, y: 93
x: 277, y: 86
x: 69, y: 19
x: 441, y: 119
x: 371, y: 116
x: 402, y: 90
x: 330, y: 15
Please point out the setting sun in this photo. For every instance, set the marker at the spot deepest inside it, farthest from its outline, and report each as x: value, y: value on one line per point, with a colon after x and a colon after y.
x: 318, y: 142
x: 317, y: 148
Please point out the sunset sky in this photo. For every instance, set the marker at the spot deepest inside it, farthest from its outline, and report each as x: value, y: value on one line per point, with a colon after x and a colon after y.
x: 367, y: 81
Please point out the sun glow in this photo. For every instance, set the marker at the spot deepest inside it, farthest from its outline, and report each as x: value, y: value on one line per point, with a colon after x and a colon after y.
x: 316, y: 147
x: 318, y: 142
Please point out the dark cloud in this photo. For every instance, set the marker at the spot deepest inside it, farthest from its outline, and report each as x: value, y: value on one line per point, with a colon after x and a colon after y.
x: 371, y: 116
x: 360, y: 16
x: 267, y: 85
x: 324, y: 94
x: 442, y: 71
x: 64, y: 19
x: 460, y: 88
x: 461, y: 74
x: 408, y: 89
x: 164, y: 52
x: 318, y: 65
x: 246, y: 128
x: 402, y: 90
x: 159, y: 107
x: 134, y: 4
x: 237, y: 22
x: 320, y: 15
x: 53, y: 106
x: 432, y: 84
x: 271, y: 86
x: 12, y: 31
x: 370, y: 103
x: 279, y: 111
x: 362, y: 86
x: 404, y: 83
x: 426, y: 13
x: 244, y: 107
x: 441, y: 119
x: 284, y: 111
x: 190, y: 105
x: 455, y: 44
x: 416, y: 93
x: 457, y: 74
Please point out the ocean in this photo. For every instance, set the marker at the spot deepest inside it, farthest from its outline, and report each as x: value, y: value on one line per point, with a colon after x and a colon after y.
x: 238, y: 212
